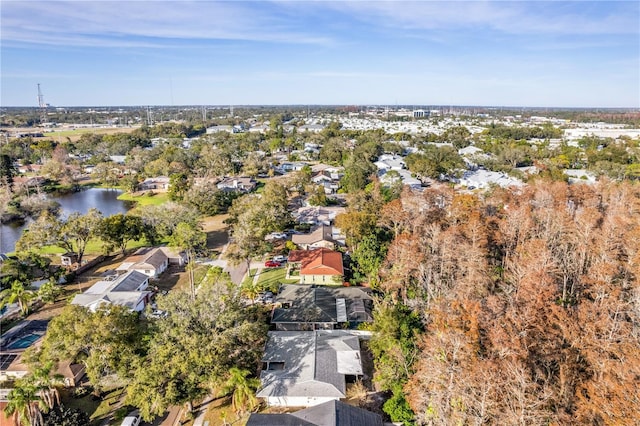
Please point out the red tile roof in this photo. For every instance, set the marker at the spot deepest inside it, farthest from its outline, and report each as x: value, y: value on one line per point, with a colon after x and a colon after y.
x: 320, y: 261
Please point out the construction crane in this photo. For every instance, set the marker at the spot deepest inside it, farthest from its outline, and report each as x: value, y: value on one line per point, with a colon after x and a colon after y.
x: 42, y: 106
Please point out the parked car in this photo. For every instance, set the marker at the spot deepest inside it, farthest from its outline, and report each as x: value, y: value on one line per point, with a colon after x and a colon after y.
x: 280, y: 259
x: 266, y: 297
x: 271, y: 264
x: 133, y: 419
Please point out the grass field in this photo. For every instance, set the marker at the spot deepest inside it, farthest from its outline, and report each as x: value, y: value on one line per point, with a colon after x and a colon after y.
x: 75, y: 134
x: 145, y: 198
x: 94, y: 248
x: 269, y: 279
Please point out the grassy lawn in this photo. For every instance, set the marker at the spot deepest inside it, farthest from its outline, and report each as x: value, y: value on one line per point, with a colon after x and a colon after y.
x: 94, y: 248
x: 269, y: 279
x: 99, y: 409
x: 220, y: 411
x: 75, y: 134
x: 145, y: 198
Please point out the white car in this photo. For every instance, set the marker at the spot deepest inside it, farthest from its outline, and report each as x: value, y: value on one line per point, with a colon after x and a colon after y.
x: 133, y: 419
x: 276, y: 236
x: 280, y: 259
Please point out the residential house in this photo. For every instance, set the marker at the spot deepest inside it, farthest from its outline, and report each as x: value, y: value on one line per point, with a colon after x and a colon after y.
x: 126, y: 290
x: 307, y: 368
x: 304, y: 307
x: 317, y: 266
x: 390, y: 162
x: 287, y: 167
x: 149, y: 261
x: 321, y: 236
x: 312, y: 128
x: 159, y: 183
x: 331, y: 413
x: 217, y: 129
x: 72, y: 373
x: 315, y: 215
x: 237, y: 184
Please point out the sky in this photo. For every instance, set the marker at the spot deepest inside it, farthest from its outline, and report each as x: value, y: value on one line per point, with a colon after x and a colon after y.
x: 493, y: 53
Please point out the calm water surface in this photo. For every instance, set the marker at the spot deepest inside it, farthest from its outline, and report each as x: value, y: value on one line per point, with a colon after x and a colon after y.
x: 105, y: 200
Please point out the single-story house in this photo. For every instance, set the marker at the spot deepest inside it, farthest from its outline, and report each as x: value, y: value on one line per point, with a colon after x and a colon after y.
x: 318, y: 266
x: 237, y: 184
x: 159, y: 183
x: 307, y: 368
x: 315, y: 215
x: 152, y: 261
x: 331, y: 413
x: 305, y: 307
x: 126, y: 290
x: 322, y: 236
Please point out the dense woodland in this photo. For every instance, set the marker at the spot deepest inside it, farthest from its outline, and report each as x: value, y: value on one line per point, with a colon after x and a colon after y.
x: 528, y: 304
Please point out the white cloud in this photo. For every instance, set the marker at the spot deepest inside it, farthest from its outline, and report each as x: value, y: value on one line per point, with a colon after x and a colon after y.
x: 114, y: 23
x: 511, y: 17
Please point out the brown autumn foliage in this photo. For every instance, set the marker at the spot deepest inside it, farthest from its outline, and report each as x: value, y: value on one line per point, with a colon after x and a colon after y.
x: 530, y: 299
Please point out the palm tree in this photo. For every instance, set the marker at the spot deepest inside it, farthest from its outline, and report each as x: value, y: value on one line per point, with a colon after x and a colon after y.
x: 46, y: 385
x: 243, y: 389
x: 17, y: 293
x: 24, y: 405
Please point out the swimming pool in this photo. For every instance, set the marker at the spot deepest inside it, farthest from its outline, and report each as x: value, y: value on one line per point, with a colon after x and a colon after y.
x: 24, y: 341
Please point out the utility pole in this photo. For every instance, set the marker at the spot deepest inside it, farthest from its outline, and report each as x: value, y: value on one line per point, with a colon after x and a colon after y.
x: 42, y: 106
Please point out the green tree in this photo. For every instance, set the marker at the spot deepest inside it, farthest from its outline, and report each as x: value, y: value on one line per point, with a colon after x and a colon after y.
x: 319, y: 197
x: 368, y: 255
x: 178, y: 186
x: 165, y: 218
x: 20, y: 294
x: 47, y: 385
x: 434, y: 161
x: 24, y: 405
x: 7, y: 170
x: 49, y: 291
x: 458, y: 136
x: 242, y: 388
x: 398, y: 408
x: 193, y: 348
x: 191, y: 239
x: 66, y: 416
x: 110, y: 340
x: 118, y: 230
x: 209, y: 201
x: 71, y: 234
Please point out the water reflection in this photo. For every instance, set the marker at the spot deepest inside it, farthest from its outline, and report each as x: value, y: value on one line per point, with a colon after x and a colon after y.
x: 105, y: 200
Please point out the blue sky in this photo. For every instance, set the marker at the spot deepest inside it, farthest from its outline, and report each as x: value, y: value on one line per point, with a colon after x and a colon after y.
x: 509, y: 53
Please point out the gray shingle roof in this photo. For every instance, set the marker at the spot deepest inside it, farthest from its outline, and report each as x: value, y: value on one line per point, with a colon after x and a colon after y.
x: 315, y: 363
x: 318, y: 304
x: 332, y: 413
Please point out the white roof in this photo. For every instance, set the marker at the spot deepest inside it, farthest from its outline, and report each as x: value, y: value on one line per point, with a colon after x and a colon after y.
x: 315, y: 363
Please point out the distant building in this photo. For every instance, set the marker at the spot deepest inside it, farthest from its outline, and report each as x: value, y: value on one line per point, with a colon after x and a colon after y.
x: 159, y: 183
x: 237, y: 184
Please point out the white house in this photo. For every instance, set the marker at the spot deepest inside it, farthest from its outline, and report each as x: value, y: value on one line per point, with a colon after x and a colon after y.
x: 307, y: 368
x: 150, y: 261
x: 126, y: 290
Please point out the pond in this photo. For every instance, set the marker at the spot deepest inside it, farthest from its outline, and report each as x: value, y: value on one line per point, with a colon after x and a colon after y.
x: 105, y: 200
